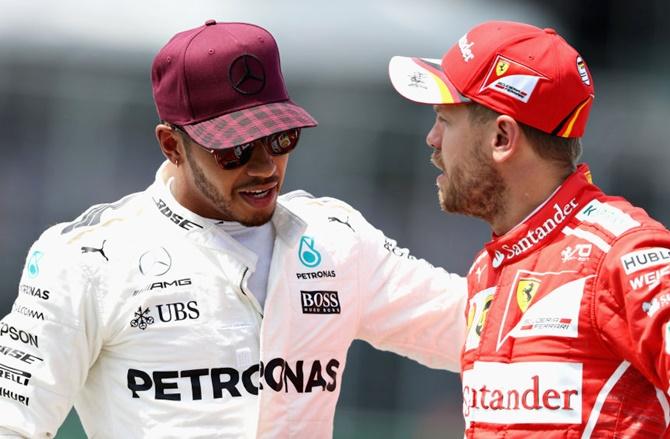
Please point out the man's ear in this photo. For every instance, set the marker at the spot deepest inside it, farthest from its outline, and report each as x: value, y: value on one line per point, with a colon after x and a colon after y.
x: 169, y: 140
x: 505, y: 141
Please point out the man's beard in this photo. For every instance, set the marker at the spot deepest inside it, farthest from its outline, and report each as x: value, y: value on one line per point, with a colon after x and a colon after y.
x: 474, y: 188
x: 209, y: 191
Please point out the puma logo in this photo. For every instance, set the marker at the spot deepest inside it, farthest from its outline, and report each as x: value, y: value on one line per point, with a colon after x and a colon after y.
x: 333, y: 219
x: 100, y: 250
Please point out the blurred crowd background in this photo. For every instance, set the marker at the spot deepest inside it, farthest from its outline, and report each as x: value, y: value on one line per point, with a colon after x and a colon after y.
x: 77, y: 119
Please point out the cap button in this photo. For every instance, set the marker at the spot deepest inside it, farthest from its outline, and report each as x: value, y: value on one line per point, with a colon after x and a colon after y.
x: 210, y: 22
x: 550, y: 30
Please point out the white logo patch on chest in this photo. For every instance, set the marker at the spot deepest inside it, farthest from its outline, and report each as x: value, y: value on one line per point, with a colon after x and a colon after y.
x: 545, y: 313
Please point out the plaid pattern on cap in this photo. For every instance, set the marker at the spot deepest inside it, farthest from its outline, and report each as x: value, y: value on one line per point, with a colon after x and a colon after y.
x: 249, y: 124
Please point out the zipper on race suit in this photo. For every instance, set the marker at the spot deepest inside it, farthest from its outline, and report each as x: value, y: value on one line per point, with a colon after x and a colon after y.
x: 250, y: 297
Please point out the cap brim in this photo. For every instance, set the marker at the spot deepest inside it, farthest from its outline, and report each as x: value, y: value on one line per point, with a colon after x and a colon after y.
x: 249, y: 124
x: 422, y: 80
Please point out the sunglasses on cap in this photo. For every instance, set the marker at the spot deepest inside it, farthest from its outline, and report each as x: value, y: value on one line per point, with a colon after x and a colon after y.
x: 275, y: 144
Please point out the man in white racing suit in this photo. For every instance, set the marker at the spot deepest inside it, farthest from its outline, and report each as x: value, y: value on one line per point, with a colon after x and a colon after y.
x: 208, y: 305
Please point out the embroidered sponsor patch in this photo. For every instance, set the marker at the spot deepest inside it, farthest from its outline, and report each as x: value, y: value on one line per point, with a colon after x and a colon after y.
x: 583, y: 73
x: 307, y: 253
x: 610, y: 218
x: 538, y: 392
x: 320, y: 302
x: 525, y: 291
x: 658, y: 302
x: 646, y: 258
x: 512, y: 79
x: 579, y: 252
x: 478, y: 308
x: 542, y: 312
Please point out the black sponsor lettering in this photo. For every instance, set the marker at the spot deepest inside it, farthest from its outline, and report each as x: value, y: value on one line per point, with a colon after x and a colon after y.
x: 195, y: 375
x: 194, y: 313
x: 15, y: 375
x: 315, y: 377
x: 320, y: 302
x: 134, y: 385
x: 297, y: 377
x: 177, y: 219
x: 19, y: 355
x: 162, y: 385
x: 218, y: 383
x: 18, y: 335
x: 269, y: 374
x: 247, y: 381
x: 160, y: 285
x: 20, y: 309
x: 393, y: 248
x: 34, y: 291
x: 8, y: 394
x: 316, y: 274
x: 628, y: 263
x: 174, y: 283
x: 277, y: 375
x: 633, y: 262
x: 331, y: 370
x: 177, y: 311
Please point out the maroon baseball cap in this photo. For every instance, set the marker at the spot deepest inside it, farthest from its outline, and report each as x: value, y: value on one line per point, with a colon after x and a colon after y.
x: 528, y: 73
x: 222, y: 83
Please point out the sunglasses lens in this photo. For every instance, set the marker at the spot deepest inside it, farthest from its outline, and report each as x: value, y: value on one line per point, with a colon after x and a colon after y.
x: 279, y: 143
x: 231, y: 158
x: 284, y: 142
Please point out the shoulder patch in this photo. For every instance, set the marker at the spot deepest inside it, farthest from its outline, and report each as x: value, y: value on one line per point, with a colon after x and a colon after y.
x: 610, y: 218
x: 645, y: 258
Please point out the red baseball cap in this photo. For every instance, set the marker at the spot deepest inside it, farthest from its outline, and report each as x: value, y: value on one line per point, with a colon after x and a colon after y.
x: 528, y: 73
x: 222, y: 83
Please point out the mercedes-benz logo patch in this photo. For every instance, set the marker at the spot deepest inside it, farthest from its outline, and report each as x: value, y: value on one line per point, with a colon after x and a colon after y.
x: 155, y: 262
x: 247, y: 75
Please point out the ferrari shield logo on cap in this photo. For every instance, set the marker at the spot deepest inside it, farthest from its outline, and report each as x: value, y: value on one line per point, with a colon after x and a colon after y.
x: 501, y: 67
x: 512, y: 79
x: 525, y: 291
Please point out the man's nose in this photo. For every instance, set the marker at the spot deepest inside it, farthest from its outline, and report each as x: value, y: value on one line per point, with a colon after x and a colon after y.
x: 261, y: 163
x: 433, y: 137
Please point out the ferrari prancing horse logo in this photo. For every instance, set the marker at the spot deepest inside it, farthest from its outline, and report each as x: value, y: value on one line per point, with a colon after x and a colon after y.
x: 525, y: 291
x: 501, y: 67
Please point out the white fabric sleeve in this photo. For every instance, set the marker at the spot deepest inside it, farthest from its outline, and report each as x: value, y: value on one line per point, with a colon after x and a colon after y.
x: 48, y: 341
x: 407, y: 305
x: 6, y: 434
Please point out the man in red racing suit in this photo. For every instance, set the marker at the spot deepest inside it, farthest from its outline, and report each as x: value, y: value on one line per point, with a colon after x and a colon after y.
x: 567, y: 322
x: 569, y: 305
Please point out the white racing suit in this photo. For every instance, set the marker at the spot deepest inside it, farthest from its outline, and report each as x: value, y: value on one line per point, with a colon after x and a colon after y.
x: 138, y: 314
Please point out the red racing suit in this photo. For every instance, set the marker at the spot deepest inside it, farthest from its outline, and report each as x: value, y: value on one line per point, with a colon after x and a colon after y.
x: 568, y: 333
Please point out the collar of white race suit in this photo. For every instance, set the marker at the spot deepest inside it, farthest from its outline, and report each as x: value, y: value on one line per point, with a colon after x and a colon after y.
x: 288, y: 224
x: 546, y: 221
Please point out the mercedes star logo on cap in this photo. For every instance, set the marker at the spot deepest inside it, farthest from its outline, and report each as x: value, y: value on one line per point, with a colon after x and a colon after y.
x: 247, y: 74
